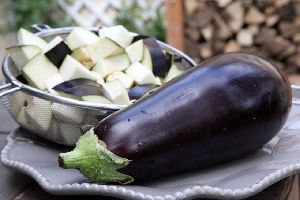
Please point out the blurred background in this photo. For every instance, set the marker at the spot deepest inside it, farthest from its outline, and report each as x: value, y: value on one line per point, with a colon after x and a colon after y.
x: 201, y: 28
x: 144, y: 17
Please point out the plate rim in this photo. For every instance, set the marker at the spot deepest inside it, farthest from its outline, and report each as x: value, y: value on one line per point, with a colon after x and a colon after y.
x: 202, y: 191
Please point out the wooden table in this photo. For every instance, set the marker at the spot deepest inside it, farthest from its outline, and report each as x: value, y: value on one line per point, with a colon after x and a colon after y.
x: 17, y: 186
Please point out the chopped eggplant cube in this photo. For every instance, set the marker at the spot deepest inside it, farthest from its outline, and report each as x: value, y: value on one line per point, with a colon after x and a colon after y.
x: 141, y: 74
x: 161, y: 64
x: 68, y: 114
x: 21, y: 54
x: 53, y: 81
x: 147, y: 60
x: 52, y: 43
x: 39, y: 120
x: 101, y: 69
x: 135, y: 51
x: 106, y: 47
x: 85, y: 55
x: 27, y: 38
x: 37, y: 70
x: 139, y: 37
x: 80, y: 87
x: 96, y: 99
x: 22, y: 79
x: 72, y: 69
x: 81, y: 37
x: 119, y: 62
x: 173, y: 72
x: 116, y: 92
x: 169, y: 58
x: 159, y: 81
x: 118, y: 34
x: 58, y: 53
x: 125, y: 79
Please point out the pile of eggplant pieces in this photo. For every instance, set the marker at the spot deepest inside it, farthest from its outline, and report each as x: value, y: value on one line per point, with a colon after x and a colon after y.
x: 107, y: 66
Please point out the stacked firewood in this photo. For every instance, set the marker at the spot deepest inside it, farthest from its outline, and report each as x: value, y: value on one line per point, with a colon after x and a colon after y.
x: 268, y: 28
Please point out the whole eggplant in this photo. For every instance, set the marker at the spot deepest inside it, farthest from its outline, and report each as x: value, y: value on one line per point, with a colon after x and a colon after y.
x: 223, y: 109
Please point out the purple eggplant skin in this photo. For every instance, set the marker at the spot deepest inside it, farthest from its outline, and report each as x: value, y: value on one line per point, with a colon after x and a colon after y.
x: 80, y: 87
x: 221, y: 110
x: 58, y: 53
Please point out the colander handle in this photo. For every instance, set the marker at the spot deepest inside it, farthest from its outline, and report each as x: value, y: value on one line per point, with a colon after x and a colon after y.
x: 40, y: 27
x: 7, y: 89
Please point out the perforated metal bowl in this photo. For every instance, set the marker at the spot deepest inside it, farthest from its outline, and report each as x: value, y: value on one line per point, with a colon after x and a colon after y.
x: 55, y: 118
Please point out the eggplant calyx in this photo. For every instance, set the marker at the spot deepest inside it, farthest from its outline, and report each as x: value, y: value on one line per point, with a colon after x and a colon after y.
x: 95, y: 161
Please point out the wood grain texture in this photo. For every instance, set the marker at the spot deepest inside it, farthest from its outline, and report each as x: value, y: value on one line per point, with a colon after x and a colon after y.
x: 294, y: 193
x: 175, y: 23
x: 282, y: 190
x: 11, y: 182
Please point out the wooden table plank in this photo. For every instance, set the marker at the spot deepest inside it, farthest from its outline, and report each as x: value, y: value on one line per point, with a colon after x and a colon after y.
x: 278, y: 191
x: 11, y: 183
x: 294, y: 193
x: 175, y: 23
x: 7, y: 124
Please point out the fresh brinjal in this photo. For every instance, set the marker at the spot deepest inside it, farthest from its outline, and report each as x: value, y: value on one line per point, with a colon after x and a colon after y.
x: 218, y: 111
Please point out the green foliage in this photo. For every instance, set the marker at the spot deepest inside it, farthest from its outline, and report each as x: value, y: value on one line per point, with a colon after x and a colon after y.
x: 28, y: 12
x: 132, y: 16
x: 24, y: 13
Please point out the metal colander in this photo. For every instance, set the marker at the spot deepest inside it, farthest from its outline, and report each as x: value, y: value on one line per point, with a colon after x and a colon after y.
x: 52, y: 117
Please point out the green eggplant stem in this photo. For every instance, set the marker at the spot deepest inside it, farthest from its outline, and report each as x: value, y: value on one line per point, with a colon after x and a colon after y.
x: 95, y: 161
